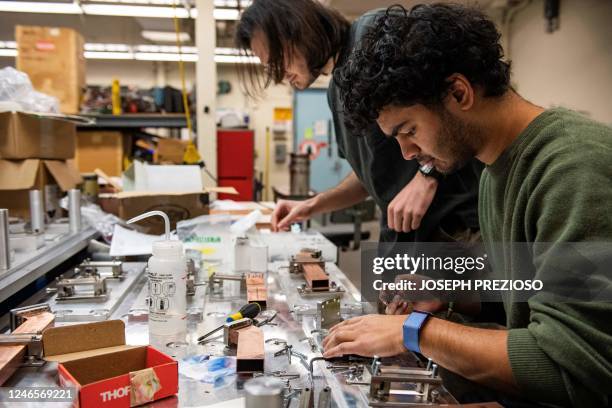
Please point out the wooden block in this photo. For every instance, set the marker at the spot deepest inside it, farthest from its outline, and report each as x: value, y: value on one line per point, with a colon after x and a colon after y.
x: 250, y: 353
x: 315, y: 277
x: 11, y: 357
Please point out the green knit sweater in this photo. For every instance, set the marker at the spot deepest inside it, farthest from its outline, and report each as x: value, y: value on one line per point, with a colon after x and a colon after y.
x: 554, y: 185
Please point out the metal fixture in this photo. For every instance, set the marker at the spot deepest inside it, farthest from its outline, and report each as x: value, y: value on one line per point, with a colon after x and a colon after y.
x: 74, y: 210
x: 328, y: 313
x: 115, y: 268
x: 37, y: 212
x: 299, y: 174
x: 19, y: 315
x: 5, y: 250
x: 70, y: 289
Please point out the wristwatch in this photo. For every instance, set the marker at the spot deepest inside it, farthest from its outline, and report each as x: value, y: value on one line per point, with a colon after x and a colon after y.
x: 428, y: 170
x: 412, y: 328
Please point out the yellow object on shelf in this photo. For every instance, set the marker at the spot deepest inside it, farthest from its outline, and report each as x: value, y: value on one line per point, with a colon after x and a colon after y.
x: 192, y: 156
x: 116, y: 97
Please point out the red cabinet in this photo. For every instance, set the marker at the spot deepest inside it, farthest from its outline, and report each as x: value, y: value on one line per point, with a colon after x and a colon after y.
x: 236, y: 163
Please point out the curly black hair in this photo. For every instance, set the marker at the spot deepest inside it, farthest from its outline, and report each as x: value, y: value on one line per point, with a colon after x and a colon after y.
x: 406, y: 57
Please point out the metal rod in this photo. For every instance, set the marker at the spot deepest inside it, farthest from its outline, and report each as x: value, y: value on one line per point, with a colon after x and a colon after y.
x: 5, y: 253
x: 37, y: 211
x: 74, y: 210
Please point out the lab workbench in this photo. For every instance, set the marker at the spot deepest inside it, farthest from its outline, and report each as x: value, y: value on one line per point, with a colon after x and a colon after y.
x: 207, y: 309
x: 297, y: 324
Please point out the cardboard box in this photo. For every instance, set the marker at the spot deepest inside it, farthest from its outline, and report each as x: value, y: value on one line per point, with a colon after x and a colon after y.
x: 17, y: 177
x: 170, y: 151
x: 143, y: 177
x: 27, y: 136
x: 53, y: 58
x: 101, y: 150
x: 178, y: 206
x: 176, y: 190
x: 94, y: 359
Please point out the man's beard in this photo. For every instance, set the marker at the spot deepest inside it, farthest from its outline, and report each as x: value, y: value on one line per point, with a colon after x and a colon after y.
x: 457, y: 142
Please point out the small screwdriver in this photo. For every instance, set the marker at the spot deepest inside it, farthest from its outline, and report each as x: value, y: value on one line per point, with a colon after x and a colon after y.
x: 250, y: 310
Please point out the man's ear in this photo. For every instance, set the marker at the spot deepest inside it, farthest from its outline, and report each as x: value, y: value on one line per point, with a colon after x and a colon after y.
x: 460, y: 96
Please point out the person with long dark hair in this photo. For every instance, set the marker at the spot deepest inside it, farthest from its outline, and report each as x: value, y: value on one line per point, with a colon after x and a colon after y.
x: 298, y: 41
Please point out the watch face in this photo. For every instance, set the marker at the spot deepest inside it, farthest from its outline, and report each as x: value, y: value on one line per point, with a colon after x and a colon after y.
x: 427, y: 168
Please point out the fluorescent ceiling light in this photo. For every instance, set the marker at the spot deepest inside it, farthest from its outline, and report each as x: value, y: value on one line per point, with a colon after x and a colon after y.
x: 35, y: 7
x: 107, y: 47
x: 134, y: 11
x: 226, y: 14
x: 8, y: 44
x: 160, y: 56
x: 113, y: 9
x: 145, y: 2
x: 108, y: 55
x: 145, y: 52
x: 232, y: 3
x: 227, y: 51
x: 236, y: 59
x: 165, y: 36
x: 173, y: 49
x: 8, y: 53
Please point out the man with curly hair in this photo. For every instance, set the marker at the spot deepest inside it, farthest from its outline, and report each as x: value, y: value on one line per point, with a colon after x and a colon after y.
x: 434, y: 79
x: 299, y: 40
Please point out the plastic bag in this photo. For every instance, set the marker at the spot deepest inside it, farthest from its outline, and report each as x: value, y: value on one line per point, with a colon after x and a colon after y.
x: 219, y: 371
x: 15, y: 86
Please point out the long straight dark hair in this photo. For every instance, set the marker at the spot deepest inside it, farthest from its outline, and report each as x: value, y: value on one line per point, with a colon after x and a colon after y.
x: 318, y: 32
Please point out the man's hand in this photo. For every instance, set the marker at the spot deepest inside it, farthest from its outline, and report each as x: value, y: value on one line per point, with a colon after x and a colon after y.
x: 398, y: 306
x: 288, y: 211
x: 366, y: 336
x: 403, y: 307
x: 404, y: 302
x: 407, y: 209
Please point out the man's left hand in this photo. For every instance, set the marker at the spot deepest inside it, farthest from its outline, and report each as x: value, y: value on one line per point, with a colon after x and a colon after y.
x: 366, y: 336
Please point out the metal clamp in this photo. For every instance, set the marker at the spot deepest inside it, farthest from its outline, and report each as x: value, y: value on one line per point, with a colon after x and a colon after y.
x: 334, y: 289
x: 423, y: 380
x: 305, y: 256
x: 67, y: 288
x: 116, y: 267
x: 32, y: 341
x: 216, y: 278
x: 19, y: 315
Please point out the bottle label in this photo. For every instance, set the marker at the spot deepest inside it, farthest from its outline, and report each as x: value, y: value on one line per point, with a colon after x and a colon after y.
x: 165, y: 300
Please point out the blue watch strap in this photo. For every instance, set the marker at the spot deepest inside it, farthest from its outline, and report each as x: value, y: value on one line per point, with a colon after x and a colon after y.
x: 412, y: 327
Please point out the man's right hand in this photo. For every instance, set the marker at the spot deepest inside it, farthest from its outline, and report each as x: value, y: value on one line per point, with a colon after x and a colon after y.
x: 288, y: 211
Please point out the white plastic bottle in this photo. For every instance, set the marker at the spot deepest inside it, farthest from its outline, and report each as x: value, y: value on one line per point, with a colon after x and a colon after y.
x: 167, y: 285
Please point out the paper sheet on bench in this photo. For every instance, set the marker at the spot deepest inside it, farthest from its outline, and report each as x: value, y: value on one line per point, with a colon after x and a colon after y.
x: 128, y: 242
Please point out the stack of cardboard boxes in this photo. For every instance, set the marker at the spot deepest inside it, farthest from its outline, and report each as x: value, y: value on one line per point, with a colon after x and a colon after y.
x: 36, y: 153
x: 36, y: 150
x: 53, y: 59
